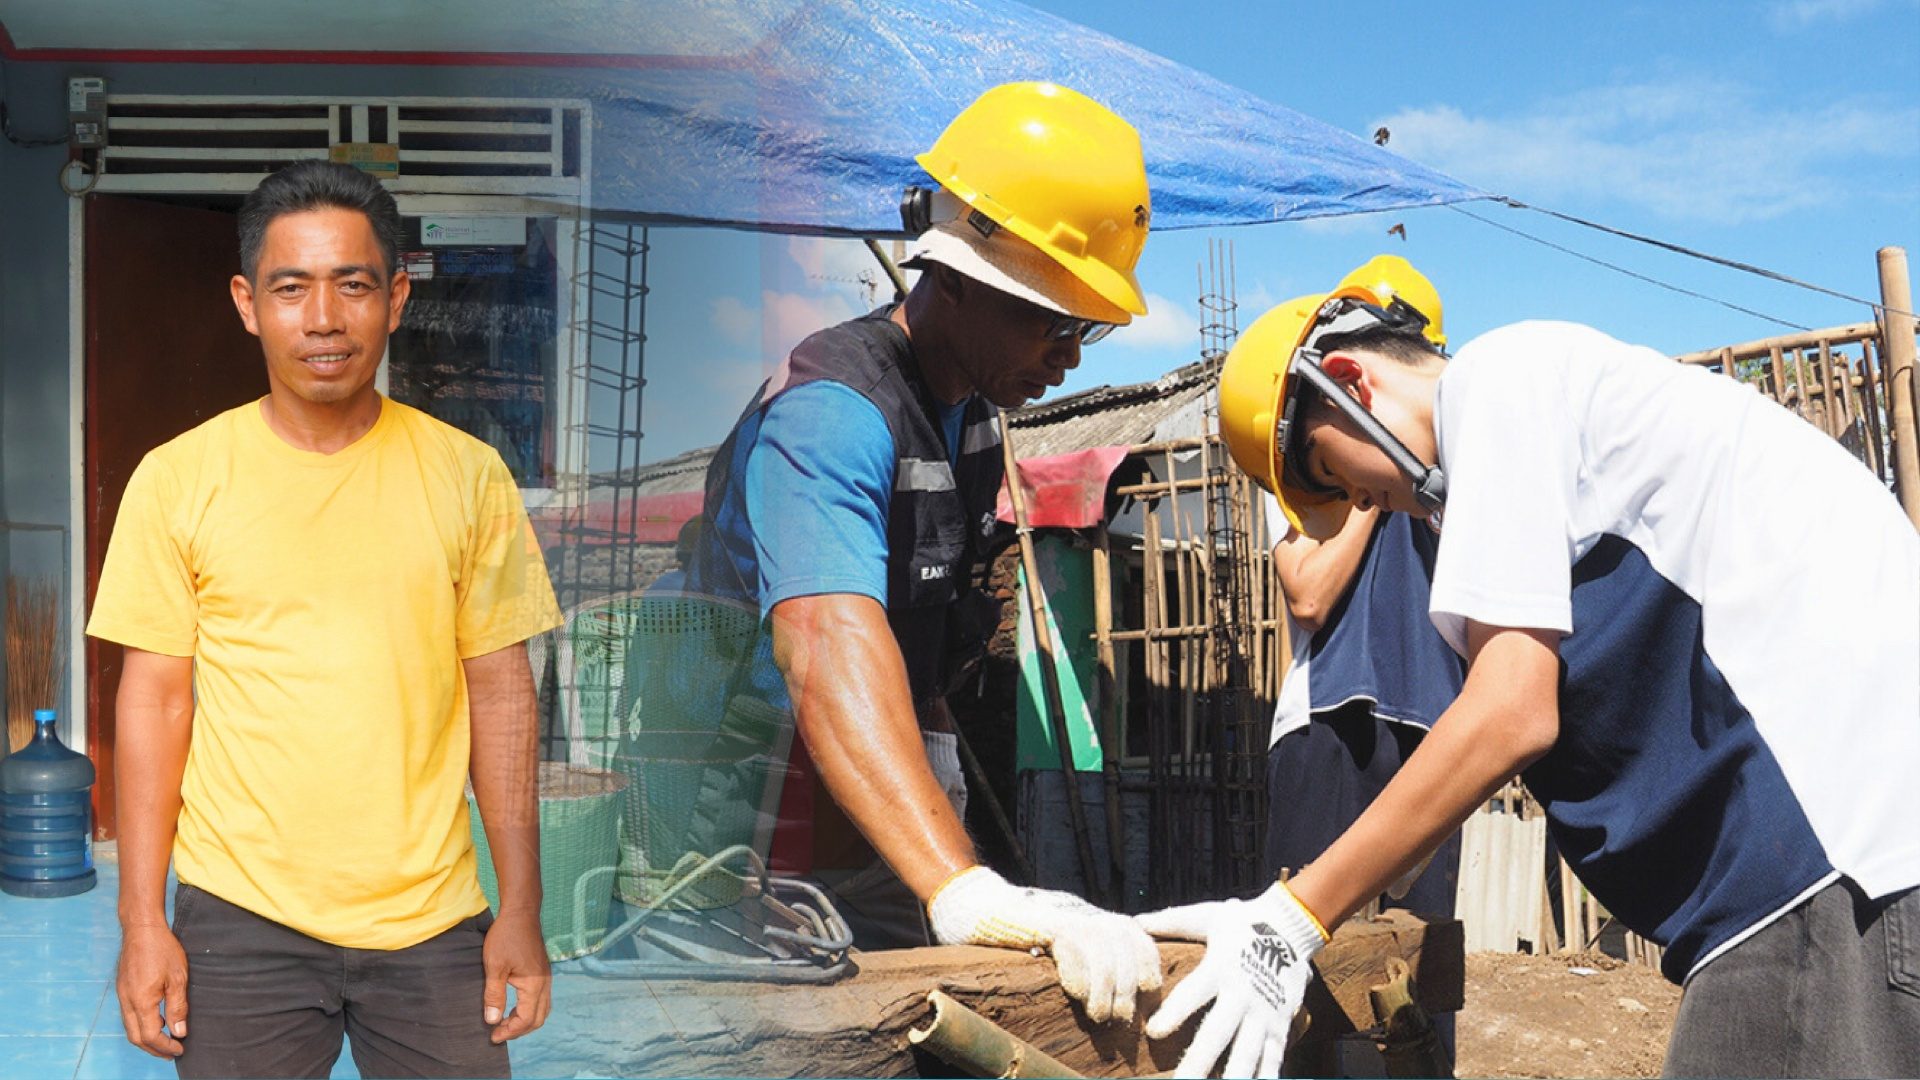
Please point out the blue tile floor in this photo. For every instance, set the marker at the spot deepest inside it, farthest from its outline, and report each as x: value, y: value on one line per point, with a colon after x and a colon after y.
x: 59, y: 1017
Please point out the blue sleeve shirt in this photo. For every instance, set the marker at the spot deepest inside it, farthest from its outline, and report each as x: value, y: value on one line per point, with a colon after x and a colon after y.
x: 819, y: 482
x: 817, y: 485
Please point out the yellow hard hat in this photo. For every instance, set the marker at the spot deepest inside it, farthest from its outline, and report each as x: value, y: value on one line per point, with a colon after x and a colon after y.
x: 1388, y: 276
x: 1259, y: 398
x: 1058, y: 170
x: 1254, y: 399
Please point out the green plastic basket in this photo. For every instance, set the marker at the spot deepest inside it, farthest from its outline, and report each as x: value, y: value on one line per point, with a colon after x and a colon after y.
x: 696, y: 793
x: 579, y: 848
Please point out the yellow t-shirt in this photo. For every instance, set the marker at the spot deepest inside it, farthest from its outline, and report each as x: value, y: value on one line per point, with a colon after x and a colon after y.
x: 327, y: 600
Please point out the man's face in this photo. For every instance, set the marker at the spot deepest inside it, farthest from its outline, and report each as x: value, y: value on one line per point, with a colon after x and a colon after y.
x: 1009, y: 358
x: 322, y: 304
x: 1336, y: 454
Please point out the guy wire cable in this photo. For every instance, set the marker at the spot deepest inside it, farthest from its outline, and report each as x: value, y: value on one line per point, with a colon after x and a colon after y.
x: 1623, y: 270
x: 1678, y: 249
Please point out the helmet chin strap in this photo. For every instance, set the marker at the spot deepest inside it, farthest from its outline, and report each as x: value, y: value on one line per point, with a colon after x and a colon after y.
x: 1429, y: 483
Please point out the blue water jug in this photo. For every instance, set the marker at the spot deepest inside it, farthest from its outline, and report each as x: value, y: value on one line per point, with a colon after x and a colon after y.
x: 45, y: 815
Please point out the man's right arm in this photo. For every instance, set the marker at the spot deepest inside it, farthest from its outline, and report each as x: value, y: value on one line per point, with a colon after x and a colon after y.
x: 153, y: 726
x: 853, y: 706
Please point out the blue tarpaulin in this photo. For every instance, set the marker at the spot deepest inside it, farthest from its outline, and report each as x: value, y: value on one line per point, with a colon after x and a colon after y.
x: 804, y: 116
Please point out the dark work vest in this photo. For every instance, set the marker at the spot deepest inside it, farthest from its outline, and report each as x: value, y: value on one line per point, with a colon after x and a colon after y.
x: 940, y: 514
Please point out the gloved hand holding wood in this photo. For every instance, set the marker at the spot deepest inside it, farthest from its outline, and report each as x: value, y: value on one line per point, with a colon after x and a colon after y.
x: 1105, y: 958
x: 1258, y: 962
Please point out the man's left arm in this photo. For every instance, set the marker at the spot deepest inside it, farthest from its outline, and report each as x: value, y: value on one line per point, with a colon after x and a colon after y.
x: 505, y: 772
x: 1259, y: 951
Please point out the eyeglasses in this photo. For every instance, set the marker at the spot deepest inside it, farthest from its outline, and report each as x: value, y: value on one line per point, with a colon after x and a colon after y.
x: 1088, y: 331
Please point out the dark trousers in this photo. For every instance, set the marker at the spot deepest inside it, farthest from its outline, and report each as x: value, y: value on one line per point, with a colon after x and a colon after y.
x: 1831, y: 988
x: 1321, y: 777
x: 268, y: 1001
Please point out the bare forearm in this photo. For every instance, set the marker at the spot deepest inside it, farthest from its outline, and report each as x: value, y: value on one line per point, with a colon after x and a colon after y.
x: 853, y: 707
x: 1504, y: 719
x: 1314, y: 575
x: 154, y: 728
x: 504, y: 719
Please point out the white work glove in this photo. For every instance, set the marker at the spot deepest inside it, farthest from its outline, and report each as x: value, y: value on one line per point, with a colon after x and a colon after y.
x: 1104, y: 958
x: 1258, y: 962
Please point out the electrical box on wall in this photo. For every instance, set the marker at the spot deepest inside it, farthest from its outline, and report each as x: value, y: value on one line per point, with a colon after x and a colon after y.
x: 87, y: 113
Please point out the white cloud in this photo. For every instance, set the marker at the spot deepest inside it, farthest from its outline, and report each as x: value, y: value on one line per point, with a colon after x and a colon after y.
x: 1701, y: 150
x: 734, y: 321
x: 1167, y: 325
x: 788, y: 317
x: 780, y: 321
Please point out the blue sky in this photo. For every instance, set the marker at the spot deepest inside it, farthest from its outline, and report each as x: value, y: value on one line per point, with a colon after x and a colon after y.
x: 1784, y: 133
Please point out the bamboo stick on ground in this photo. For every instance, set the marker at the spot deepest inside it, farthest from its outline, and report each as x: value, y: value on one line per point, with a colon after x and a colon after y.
x: 961, y: 1037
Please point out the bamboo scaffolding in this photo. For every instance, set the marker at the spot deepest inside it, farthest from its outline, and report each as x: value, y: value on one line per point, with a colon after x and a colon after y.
x: 1870, y: 406
x: 1804, y: 402
x: 1829, y: 408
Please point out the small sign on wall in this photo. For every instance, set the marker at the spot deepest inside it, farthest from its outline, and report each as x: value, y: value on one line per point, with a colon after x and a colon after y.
x: 418, y: 264
x: 473, y: 230
x: 380, y: 159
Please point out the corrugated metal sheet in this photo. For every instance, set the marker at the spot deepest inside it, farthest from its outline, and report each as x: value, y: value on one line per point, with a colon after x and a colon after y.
x: 1104, y: 416
x: 1108, y: 415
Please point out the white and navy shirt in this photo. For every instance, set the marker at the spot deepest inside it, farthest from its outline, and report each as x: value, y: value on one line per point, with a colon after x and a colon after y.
x: 1375, y: 644
x: 1740, y: 707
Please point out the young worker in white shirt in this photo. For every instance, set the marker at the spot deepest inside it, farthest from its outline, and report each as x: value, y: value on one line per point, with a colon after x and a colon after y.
x: 1624, y: 564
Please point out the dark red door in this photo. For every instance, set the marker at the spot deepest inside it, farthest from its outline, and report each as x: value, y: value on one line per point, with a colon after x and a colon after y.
x: 164, y: 351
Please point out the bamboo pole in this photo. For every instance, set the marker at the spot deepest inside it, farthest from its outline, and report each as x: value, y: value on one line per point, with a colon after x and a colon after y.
x: 1800, y: 374
x: 1570, y: 907
x: 1112, y: 731
x: 1049, y: 673
x: 1849, y: 403
x: 1844, y: 375
x: 1764, y: 346
x: 1870, y: 407
x: 1152, y: 573
x: 1779, y: 369
x: 1830, y: 409
x: 1162, y: 487
x: 959, y: 1036
x: 1896, y: 320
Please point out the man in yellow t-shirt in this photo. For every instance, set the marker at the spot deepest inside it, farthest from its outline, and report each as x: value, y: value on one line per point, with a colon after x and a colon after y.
x: 324, y: 597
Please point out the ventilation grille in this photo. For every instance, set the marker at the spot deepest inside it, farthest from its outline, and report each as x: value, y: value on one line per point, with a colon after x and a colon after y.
x: 195, y: 143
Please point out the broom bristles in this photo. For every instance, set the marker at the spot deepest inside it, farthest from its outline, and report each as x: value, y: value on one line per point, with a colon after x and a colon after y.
x: 35, y: 659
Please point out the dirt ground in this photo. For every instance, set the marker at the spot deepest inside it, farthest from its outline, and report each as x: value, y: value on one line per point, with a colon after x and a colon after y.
x: 1537, y: 1016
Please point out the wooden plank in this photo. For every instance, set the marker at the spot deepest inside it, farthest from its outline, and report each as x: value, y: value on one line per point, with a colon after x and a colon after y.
x: 858, y: 1027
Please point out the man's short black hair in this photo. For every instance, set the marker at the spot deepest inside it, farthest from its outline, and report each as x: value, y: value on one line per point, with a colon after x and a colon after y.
x: 1408, y: 347
x: 318, y: 185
